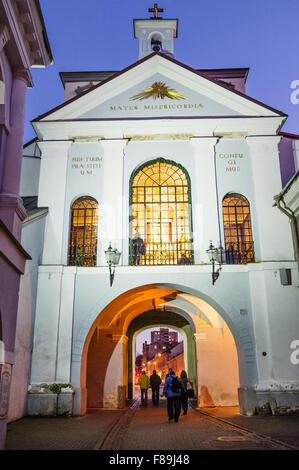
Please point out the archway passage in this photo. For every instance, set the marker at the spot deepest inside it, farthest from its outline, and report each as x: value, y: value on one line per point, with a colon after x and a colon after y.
x: 210, y: 349
x: 161, y: 318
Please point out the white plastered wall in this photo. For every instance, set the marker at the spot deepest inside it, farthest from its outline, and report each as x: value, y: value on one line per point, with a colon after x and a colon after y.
x: 275, y: 241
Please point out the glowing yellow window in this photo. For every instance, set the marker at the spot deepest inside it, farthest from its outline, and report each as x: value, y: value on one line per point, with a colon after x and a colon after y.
x: 239, y: 246
x: 160, y: 225
x: 84, y: 232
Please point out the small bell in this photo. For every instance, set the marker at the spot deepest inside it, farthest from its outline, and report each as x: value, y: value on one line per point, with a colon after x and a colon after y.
x: 156, y: 46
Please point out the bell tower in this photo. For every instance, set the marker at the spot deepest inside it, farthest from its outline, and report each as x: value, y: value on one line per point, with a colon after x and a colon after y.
x: 155, y: 34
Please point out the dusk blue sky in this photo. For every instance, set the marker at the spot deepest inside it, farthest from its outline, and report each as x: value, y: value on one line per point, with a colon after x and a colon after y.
x: 98, y: 35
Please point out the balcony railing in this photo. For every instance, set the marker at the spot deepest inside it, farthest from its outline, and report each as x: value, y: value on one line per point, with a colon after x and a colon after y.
x: 159, y: 253
x: 82, y: 256
x: 239, y: 253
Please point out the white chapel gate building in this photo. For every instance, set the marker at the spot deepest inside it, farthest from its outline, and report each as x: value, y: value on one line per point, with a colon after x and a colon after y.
x: 158, y: 160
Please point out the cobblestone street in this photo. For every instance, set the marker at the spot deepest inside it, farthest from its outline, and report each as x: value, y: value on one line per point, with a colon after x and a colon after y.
x: 148, y: 428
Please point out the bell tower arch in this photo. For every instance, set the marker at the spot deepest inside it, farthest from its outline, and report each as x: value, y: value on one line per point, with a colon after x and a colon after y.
x: 155, y: 34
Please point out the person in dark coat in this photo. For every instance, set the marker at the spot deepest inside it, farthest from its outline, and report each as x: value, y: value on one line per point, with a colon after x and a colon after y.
x: 184, y: 259
x: 184, y: 395
x: 155, y: 382
x: 173, y: 398
x: 138, y: 248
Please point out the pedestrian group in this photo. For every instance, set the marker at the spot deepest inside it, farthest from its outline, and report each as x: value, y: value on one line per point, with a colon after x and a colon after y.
x: 177, y: 390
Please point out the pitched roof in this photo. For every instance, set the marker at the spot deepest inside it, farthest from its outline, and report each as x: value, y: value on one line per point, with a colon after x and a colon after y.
x: 290, y: 136
x: 180, y: 64
x: 101, y: 75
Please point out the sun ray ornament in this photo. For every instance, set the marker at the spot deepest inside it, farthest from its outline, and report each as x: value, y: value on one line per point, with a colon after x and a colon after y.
x: 158, y: 90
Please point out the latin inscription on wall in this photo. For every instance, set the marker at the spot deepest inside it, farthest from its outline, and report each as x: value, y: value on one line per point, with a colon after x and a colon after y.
x: 86, y: 165
x: 233, y: 166
x: 231, y: 162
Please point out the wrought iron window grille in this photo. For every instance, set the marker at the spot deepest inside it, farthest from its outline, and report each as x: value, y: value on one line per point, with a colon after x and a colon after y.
x: 161, y: 216
x: 84, y: 232
x: 239, y: 245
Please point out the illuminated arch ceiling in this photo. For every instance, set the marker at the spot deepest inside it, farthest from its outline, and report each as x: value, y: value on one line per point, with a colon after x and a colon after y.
x: 118, y: 315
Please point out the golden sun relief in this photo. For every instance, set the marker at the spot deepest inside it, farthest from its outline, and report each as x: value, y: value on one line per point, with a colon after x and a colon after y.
x: 158, y: 90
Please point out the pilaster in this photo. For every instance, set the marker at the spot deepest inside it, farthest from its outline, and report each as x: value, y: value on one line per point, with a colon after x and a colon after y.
x: 52, y: 190
x: 260, y: 317
x: 65, y: 326
x: 204, y: 210
x: 52, y: 344
x: 115, y: 388
x: 273, y: 227
x: 46, y: 328
x: 12, y: 211
x: 111, y: 213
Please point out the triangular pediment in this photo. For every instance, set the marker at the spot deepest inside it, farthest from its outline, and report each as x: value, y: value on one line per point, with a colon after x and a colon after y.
x: 158, y: 87
x: 159, y: 95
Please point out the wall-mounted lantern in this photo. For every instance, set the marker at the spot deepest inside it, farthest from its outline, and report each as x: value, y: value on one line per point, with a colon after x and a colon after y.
x: 215, y: 256
x: 112, y: 258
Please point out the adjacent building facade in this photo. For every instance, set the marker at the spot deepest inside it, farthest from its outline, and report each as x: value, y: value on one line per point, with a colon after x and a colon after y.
x: 287, y: 201
x: 160, y: 340
x: 23, y: 44
x: 159, y: 160
x: 170, y: 358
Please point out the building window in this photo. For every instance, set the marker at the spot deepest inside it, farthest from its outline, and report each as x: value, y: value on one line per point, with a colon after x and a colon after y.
x: 160, y: 217
x: 84, y: 232
x: 239, y: 246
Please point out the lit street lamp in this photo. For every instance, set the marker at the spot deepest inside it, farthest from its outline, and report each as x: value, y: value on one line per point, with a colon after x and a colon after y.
x: 215, y: 255
x: 112, y: 258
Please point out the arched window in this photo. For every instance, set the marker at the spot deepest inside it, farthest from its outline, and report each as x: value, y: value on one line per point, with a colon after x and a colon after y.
x: 84, y: 232
x: 239, y: 247
x: 160, y: 203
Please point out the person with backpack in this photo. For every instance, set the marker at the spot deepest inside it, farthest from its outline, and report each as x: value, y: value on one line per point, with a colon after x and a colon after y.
x: 173, y: 388
x: 155, y: 382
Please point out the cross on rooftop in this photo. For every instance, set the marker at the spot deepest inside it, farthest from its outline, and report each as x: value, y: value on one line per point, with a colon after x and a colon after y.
x: 155, y: 10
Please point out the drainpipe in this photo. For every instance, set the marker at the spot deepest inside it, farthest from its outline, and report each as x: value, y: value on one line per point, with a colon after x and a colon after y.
x: 287, y: 211
x: 217, y: 199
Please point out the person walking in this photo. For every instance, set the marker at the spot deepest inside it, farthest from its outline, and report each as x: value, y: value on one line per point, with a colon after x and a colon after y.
x: 144, y: 384
x: 173, y: 388
x: 155, y: 382
x: 184, y: 395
